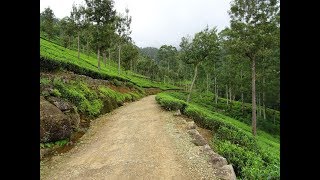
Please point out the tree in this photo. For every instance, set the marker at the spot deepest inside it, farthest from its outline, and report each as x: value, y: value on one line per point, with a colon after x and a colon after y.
x: 167, y: 57
x: 77, y: 16
x: 123, y: 30
x: 150, y: 52
x: 198, y: 50
x: 48, y: 22
x: 252, y: 22
x: 129, y: 55
x: 210, y: 64
x: 66, y: 31
x: 102, y: 14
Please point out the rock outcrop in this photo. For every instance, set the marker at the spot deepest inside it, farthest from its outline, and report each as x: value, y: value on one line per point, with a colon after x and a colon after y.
x: 54, y: 124
x: 197, y: 139
x: 68, y: 109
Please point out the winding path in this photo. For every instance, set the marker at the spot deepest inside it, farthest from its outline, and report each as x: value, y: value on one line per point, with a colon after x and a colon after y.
x: 136, y: 141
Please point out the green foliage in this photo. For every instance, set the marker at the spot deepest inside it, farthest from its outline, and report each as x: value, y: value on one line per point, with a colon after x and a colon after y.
x: 134, y: 96
x: 252, y: 157
x: 54, y: 57
x: 116, y: 82
x: 170, y: 103
x: 246, y: 163
x: 44, y: 81
x: 119, y: 97
x: 234, y: 110
x: 150, y: 52
x: 54, y: 144
x: 47, y: 22
x: 56, y: 93
x: 129, y: 56
x: 79, y: 94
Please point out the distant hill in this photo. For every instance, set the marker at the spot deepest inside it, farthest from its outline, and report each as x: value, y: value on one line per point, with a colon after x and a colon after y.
x: 150, y: 52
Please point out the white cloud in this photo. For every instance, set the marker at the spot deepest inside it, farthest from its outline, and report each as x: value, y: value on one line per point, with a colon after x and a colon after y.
x: 158, y: 22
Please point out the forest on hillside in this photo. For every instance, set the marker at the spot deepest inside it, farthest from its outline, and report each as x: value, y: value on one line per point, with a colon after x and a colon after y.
x: 235, y: 71
x: 223, y: 60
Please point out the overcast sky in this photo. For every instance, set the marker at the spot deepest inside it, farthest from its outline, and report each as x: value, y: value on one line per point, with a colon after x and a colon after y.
x: 158, y: 22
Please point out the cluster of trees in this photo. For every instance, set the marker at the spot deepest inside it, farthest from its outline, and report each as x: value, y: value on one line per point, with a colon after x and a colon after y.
x: 241, y: 62
x: 93, y: 27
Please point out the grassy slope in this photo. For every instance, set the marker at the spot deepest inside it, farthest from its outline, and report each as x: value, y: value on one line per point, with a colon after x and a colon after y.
x: 234, y: 110
x: 265, y: 140
x: 268, y: 144
x: 58, y: 54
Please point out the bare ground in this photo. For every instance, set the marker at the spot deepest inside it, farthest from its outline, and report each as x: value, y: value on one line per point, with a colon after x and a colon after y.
x: 136, y: 141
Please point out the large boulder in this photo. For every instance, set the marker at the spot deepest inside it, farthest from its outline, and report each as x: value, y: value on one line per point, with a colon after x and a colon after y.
x: 60, y: 103
x: 54, y: 124
x: 68, y: 109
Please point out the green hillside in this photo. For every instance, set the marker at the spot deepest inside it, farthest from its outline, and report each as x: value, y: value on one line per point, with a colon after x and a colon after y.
x: 54, y: 56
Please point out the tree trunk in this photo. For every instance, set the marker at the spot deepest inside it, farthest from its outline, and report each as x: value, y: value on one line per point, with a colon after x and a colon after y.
x: 130, y: 64
x: 119, y: 60
x: 78, y: 45
x: 104, y: 58
x: 194, y: 79
x: 98, y: 59
x: 168, y: 69
x: 260, y: 109
x: 109, y: 56
x: 227, y: 95
x: 207, y: 83
x: 215, y: 90
x: 71, y: 42
x: 230, y: 96
x: 217, y: 93
x: 274, y: 118
x: 263, y: 100
x: 88, y: 48
x: 254, y: 105
x: 242, y: 104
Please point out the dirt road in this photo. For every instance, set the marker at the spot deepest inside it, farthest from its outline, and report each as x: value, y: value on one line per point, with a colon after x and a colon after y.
x: 136, y: 141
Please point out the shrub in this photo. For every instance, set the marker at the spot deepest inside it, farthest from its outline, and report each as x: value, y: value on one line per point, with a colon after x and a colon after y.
x: 252, y: 157
x: 56, y: 93
x: 44, y: 81
x: 85, y: 99
x: 53, y: 144
x: 234, y: 110
x: 170, y: 103
x: 116, y: 82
